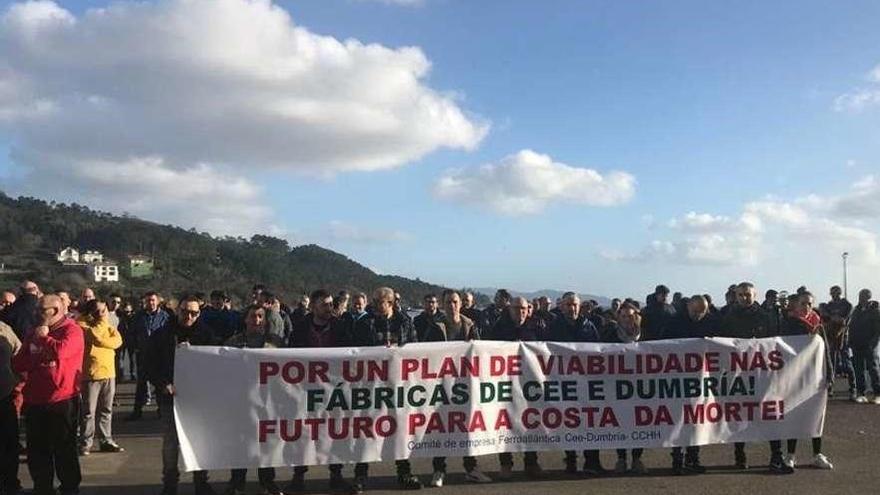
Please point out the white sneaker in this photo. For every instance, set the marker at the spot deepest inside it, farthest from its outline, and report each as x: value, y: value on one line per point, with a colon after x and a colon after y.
x: 876, y: 399
x: 822, y: 462
x: 861, y: 399
x: 789, y: 460
x: 476, y: 476
x: 620, y: 466
x: 437, y: 479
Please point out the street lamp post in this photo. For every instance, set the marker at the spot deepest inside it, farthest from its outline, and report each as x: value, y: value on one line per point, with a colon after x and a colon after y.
x: 844, y: 256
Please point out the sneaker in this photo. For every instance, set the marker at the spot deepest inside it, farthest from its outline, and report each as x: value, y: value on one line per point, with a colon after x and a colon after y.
x: 505, y: 473
x: 694, y: 467
x: 270, y: 488
x: 876, y: 399
x: 409, y: 482
x: 789, y: 460
x: 861, y: 400
x: 476, y: 476
x: 534, y: 471
x: 852, y: 396
x: 84, y: 451
x: 437, y: 479
x: 359, y: 485
x: 111, y: 446
x: 638, y: 467
x: 779, y: 467
x: 822, y: 462
x: 620, y: 466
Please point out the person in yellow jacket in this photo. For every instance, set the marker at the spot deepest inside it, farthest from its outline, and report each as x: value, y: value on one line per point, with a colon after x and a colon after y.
x: 99, y: 376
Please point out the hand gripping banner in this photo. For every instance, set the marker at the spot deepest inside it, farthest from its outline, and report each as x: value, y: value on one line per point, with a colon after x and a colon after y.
x: 239, y: 408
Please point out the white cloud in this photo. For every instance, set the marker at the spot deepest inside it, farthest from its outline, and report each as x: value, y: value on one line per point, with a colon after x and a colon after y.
x: 813, y: 227
x: 339, y: 230
x: 861, y: 98
x: 526, y: 182
x: 234, y: 85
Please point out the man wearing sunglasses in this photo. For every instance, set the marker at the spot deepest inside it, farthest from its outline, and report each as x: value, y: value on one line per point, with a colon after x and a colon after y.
x: 186, y: 329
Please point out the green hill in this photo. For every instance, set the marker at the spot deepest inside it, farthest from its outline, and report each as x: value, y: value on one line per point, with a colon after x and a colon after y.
x: 32, y: 232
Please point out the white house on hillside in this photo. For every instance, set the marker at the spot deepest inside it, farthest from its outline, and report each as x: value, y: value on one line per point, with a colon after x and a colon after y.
x: 103, y: 271
x: 68, y: 255
x: 92, y: 257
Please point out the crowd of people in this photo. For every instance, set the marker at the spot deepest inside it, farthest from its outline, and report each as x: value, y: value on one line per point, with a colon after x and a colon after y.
x: 60, y: 359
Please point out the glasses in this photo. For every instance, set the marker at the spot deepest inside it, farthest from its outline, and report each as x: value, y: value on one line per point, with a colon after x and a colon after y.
x: 189, y: 313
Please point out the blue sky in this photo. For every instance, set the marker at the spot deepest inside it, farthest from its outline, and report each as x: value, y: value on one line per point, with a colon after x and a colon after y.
x: 759, y: 117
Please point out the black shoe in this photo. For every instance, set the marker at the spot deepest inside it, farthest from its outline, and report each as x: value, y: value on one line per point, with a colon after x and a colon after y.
x: 205, y: 489
x: 677, y: 468
x: 694, y: 467
x: 135, y: 415
x: 779, y: 467
x: 359, y: 485
x: 571, y: 467
x: 534, y: 472
x: 296, y: 485
x: 594, y: 469
x: 409, y: 482
x: 110, y: 446
x: 169, y: 490
x: 270, y: 488
x: 741, y: 462
x: 338, y: 484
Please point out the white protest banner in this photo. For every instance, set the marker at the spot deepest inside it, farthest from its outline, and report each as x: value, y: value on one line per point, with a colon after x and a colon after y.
x: 240, y: 408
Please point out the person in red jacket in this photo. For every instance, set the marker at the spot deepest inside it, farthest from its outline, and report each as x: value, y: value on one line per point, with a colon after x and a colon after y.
x: 52, y: 357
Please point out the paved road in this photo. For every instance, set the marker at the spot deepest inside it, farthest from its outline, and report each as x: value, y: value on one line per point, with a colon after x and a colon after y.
x: 852, y: 441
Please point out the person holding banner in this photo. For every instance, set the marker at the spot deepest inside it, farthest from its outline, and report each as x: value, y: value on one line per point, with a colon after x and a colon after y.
x: 573, y: 326
x: 697, y: 322
x: 744, y: 319
x: 254, y: 336
x: 514, y: 325
x: 803, y: 320
x: 452, y: 325
x: 320, y: 328
x: 186, y: 329
x: 627, y: 330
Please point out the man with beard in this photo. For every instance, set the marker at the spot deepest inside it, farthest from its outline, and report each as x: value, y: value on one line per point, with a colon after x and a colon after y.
x: 427, y: 321
x: 495, y: 310
x: 573, y: 326
x: 453, y: 326
x: 319, y: 328
x: 186, y: 329
x: 515, y: 325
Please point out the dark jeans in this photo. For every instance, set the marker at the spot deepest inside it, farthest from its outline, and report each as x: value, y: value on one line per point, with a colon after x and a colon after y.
x: 51, y: 443
x: 469, y: 462
x: 361, y: 469
x: 142, y: 390
x: 775, y: 451
x: 692, y: 454
x: 817, y: 446
x: 866, y: 359
x: 239, y: 477
x: 843, y: 364
x: 529, y: 459
x: 171, y: 450
x: 636, y: 453
x: 9, y: 482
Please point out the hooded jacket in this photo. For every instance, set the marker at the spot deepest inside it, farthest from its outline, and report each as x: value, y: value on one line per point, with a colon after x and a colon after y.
x: 101, y: 342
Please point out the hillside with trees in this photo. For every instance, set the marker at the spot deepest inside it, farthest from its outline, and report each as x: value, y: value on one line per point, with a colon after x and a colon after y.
x: 32, y: 232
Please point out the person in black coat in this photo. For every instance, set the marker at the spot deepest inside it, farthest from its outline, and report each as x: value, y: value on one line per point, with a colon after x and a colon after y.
x: 186, y: 329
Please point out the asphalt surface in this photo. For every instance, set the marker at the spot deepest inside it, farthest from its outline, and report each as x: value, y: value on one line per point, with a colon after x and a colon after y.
x: 851, y: 441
